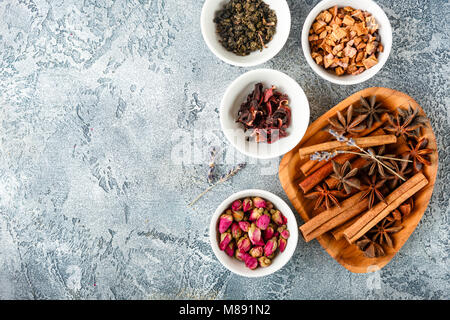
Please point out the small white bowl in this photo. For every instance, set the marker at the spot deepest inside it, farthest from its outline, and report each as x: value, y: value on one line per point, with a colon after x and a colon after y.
x: 281, y: 8
x: 237, y: 93
x: 385, y: 32
x: 238, y: 267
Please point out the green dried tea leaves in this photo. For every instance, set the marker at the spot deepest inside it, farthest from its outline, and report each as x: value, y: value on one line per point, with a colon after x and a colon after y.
x: 245, y: 26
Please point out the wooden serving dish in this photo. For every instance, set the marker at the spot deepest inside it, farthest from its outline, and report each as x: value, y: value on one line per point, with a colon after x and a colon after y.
x: 290, y: 175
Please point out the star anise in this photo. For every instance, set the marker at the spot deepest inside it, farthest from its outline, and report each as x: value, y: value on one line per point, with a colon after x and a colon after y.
x: 374, y: 164
x: 381, y: 232
x: 419, y: 154
x: 406, y: 123
x: 371, y: 108
x: 372, y: 189
x: 343, y: 125
x: 324, y: 196
x: 345, y: 176
x: 403, y: 170
x: 370, y: 248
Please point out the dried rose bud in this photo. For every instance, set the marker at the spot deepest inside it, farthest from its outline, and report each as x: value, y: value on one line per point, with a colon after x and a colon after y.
x: 256, y: 252
x: 269, y: 205
x: 244, y: 225
x: 255, y: 214
x: 242, y: 256
x: 269, y: 232
x: 279, y: 218
x: 270, y: 247
x: 225, y: 222
x: 236, y: 205
x: 238, y: 215
x: 229, y: 250
x: 236, y: 231
x: 244, y: 244
x: 264, y: 261
x: 247, y: 204
x: 282, y: 243
x: 259, y: 202
x: 263, y: 222
x: 225, y: 239
x: 251, y: 262
x: 254, y: 233
x: 284, y: 232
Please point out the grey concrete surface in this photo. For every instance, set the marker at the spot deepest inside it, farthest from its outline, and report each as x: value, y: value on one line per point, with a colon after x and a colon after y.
x: 97, y: 101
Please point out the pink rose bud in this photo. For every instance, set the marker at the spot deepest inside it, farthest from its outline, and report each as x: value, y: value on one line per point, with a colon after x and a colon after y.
x: 264, y: 261
x: 229, y: 250
x: 225, y: 239
x: 259, y: 202
x: 282, y: 242
x: 238, y: 215
x: 244, y: 244
x: 225, y: 222
x: 247, y: 204
x: 255, y: 214
x: 251, y: 262
x: 283, y: 231
x: 269, y: 205
x: 254, y: 233
x: 269, y: 232
x: 236, y: 231
x: 263, y: 222
x: 242, y: 256
x: 279, y: 218
x: 237, y: 205
x: 244, y: 225
x: 256, y: 252
x: 270, y: 247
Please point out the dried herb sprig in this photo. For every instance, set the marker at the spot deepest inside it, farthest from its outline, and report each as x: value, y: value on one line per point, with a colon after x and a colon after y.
x: 222, y: 179
x: 212, y: 164
x: 352, y: 143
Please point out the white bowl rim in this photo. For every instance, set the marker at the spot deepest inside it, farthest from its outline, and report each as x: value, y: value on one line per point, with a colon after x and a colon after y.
x: 286, y: 210
x: 282, y: 151
x: 348, y: 79
x: 257, y: 59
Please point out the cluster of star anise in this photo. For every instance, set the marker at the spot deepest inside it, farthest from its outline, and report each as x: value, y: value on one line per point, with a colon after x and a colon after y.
x: 378, y: 177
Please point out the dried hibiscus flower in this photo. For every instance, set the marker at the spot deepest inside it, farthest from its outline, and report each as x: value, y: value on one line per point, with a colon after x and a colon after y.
x: 266, y: 113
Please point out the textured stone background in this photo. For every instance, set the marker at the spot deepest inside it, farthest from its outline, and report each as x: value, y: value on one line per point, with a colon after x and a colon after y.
x: 97, y: 99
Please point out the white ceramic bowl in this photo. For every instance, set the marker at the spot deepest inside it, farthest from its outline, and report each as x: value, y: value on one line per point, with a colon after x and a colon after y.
x: 280, y: 259
x: 237, y: 93
x: 385, y: 33
x: 281, y: 8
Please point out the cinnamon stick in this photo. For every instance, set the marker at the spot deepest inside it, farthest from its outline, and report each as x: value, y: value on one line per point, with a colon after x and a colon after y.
x: 378, y: 212
x: 363, y: 142
x: 311, y: 166
x: 333, y: 217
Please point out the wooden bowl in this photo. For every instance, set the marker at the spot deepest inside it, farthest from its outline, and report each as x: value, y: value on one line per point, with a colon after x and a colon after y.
x: 290, y: 176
